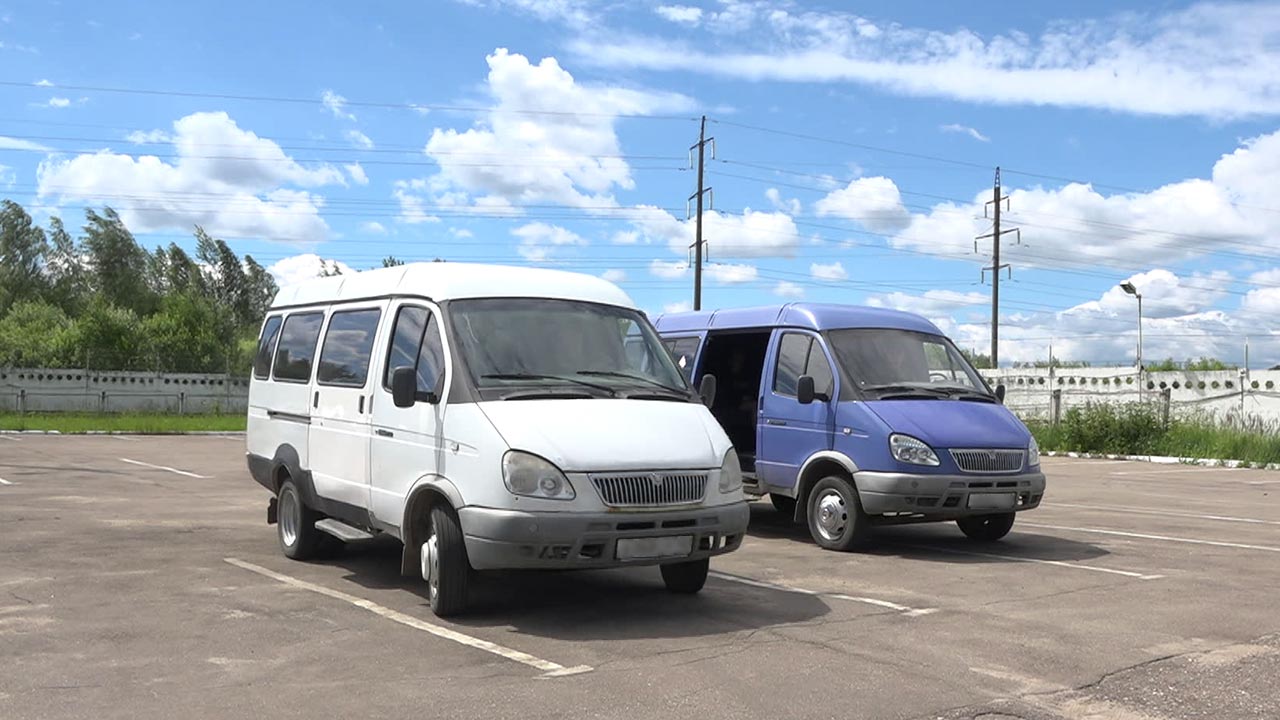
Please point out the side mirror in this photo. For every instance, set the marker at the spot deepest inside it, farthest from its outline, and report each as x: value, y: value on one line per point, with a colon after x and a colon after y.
x: 1000, y: 393
x: 805, y: 391
x: 707, y: 389
x: 404, y: 387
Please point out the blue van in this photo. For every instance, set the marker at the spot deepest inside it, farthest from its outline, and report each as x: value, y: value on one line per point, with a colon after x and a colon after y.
x: 849, y: 417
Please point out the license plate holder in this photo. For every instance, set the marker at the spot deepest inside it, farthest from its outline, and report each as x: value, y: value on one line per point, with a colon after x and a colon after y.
x: 654, y: 547
x: 993, y: 501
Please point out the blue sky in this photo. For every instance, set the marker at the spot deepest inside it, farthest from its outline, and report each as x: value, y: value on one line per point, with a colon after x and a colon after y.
x: 855, y: 143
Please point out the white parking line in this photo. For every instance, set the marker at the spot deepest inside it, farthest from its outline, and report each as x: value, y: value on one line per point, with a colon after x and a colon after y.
x: 6, y: 482
x: 1171, y: 513
x: 1039, y: 561
x: 10, y: 438
x: 164, y: 467
x: 908, y: 611
x: 548, y: 668
x: 122, y: 437
x: 1165, y: 538
x: 1197, y: 469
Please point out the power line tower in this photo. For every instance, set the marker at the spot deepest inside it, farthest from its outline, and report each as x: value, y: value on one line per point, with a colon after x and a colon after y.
x: 993, y: 206
x: 700, y: 146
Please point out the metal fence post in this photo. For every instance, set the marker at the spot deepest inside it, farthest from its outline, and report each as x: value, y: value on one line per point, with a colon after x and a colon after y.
x: 22, y: 401
x: 182, y: 403
x: 1055, y: 409
x: 102, y: 401
x: 1166, y: 400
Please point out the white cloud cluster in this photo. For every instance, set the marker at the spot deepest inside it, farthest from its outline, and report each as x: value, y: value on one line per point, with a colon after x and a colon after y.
x: 538, y: 240
x: 298, y: 268
x: 247, y: 189
x: 965, y: 130
x: 337, y: 105
x: 830, y: 271
x: 680, y: 14
x: 1212, y: 59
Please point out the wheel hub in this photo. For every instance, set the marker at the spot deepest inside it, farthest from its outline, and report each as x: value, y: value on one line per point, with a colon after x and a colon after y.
x: 831, y: 516
x: 431, y: 564
x: 288, y: 518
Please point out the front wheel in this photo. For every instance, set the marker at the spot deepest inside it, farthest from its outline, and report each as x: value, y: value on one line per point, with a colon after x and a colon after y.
x: 986, y: 528
x: 686, y: 578
x: 445, y: 566
x: 836, y: 519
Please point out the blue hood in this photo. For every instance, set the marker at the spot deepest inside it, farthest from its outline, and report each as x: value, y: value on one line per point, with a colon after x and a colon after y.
x: 953, y: 423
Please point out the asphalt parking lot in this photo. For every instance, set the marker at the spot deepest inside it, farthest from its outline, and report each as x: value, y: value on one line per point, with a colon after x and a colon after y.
x: 138, y: 579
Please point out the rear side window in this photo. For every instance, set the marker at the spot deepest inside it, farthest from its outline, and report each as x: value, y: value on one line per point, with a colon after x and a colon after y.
x: 348, y: 343
x: 266, y: 347
x: 683, y: 351
x: 416, y: 344
x: 297, y: 347
x: 802, y: 355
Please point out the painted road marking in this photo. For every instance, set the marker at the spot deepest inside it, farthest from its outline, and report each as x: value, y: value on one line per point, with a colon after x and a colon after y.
x: 122, y: 437
x: 1040, y: 561
x: 164, y: 467
x: 1161, y: 471
x: 548, y: 668
x: 908, y: 611
x: 1171, y: 513
x: 10, y: 438
x: 5, y: 482
x: 1165, y: 538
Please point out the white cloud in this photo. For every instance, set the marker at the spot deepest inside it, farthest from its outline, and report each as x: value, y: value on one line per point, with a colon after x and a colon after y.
x: 373, y: 227
x: 412, y: 207
x: 732, y: 274
x: 678, y: 307
x: 461, y: 232
x: 668, y: 269
x: 625, y: 237
x: 59, y: 102
x: 614, y: 275
x: 43, y: 83
x: 149, y: 137
x: 788, y: 289
x: 538, y: 240
x: 680, y: 14
x: 240, y: 192
x: 1164, y: 294
x: 1210, y: 59
x: 336, y: 105
x: 965, y: 130
x: 359, y: 139
x: 573, y: 12
x: 873, y: 202
x: 791, y: 206
x: 298, y: 268
x: 566, y: 159
x: 753, y: 234
x: 357, y: 173
x: 932, y: 303
x: 9, y: 143
x: 833, y: 271
x: 8, y: 178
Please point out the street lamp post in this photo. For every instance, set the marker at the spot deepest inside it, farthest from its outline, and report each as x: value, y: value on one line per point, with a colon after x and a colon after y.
x: 1129, y: 287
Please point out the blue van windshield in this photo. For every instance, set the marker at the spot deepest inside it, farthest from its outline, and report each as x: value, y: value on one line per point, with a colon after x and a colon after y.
x: 889, y: 363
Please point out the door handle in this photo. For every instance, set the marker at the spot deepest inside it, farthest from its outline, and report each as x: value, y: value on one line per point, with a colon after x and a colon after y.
x: 384, y: 433
x: 360, y: 409
x: 315, y: 401
x: 771, y: 421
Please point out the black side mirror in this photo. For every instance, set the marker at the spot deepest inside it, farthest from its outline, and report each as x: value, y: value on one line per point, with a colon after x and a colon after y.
x: 707, y: 389
x: 805, y: 392
x: 1000, y: 393
x: 404, y: 387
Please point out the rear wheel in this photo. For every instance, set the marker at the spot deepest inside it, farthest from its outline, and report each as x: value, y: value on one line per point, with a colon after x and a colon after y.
x: 445, y: 566
x: 783, y: 504
x: 686, y: 578
x: 986, y: 528
x: 836, y: 519
x: 296, y: 524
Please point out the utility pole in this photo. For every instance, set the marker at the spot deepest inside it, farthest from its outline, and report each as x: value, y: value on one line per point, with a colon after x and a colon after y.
x: 995, y: 202
x: 697, y: 197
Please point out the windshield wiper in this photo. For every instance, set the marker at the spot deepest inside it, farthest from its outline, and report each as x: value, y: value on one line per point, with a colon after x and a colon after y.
x: 637, y: 378
x: 562, y: 378
x: 899, y: 389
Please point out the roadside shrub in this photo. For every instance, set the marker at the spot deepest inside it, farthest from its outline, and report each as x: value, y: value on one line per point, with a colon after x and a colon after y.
x: 1131, y: 428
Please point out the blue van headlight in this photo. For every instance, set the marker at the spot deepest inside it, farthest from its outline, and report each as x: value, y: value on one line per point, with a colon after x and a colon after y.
x: 912, y: 451
x: 1033, y: 453
x: 529, y: 475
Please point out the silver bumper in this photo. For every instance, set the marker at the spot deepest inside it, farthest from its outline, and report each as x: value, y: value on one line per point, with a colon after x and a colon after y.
x: 947, y: 496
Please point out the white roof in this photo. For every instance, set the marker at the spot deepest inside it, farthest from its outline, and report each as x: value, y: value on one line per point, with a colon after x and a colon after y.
x: 449, y: 281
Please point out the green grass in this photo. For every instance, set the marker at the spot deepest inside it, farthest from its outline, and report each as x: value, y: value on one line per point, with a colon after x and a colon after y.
x: 1138, y: 430
x: 142, y: 423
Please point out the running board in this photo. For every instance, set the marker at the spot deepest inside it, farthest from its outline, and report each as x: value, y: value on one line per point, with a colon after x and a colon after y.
x: 342, y: 531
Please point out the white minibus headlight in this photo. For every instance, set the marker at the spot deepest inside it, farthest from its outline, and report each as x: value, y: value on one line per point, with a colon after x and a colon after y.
x: 1033, y: 453
x: 912, y: 451
x: 730, y: 472
x: 531, y: 476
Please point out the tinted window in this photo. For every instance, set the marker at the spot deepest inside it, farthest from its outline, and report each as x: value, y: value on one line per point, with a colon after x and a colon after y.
x: 266, y: 344
x: 297, y: 347
x: 344, y: 357
x: 683, y: 351
x: 819, y: 368
x: 802, y: 355
x: 406, y: 340
x: 431, y: 358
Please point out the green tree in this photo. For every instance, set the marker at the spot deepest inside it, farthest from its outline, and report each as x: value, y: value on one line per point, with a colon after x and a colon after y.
x: 106, y: 337
x: 67, y: 270
x: 329, y: 268
x: 260, y: 289
x: 978, y: 360
x: 22, y: 249
x: 36, y: 334
x: 391, y: 261
x: 119, y: 266
x: 186, y: 335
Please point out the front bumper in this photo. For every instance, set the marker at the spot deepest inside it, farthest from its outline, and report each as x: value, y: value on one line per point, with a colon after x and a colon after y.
x: 503, y: 539
x: 945, y: 496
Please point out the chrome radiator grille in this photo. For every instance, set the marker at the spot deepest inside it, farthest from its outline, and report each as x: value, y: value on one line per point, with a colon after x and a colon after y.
x: 656, y: 489
x: 989, y: 461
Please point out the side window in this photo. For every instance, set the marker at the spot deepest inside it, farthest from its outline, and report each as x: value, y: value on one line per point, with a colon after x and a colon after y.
x: 430, y: 358
x: 297, y: 347
x: 820, y: 370
x: 266, y: 347
x: 683, y: 351
x: 344, y: 356
x: 793, y: 354
x: 416, y: 343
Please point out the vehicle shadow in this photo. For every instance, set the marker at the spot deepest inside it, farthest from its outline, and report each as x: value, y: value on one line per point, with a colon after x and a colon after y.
x: 620, y: 604
x: 935, y: 542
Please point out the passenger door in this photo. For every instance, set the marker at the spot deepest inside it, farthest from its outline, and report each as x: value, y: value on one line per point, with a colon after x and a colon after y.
x: 340, y: 400
x: 407, y: 443
x: 287, y: 395
x: 788, y: 431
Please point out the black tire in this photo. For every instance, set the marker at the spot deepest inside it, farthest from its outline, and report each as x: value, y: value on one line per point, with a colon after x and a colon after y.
x: 296, y: 524
x: 449, y: 585
x: 686, y: 578
x: 836, y: 519
x: 986, y: 528
x: 784, y: 505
